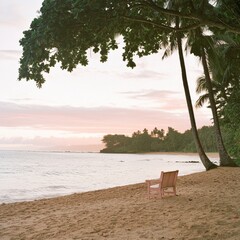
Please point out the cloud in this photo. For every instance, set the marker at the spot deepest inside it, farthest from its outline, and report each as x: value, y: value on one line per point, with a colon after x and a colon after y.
x: 90, y: 120
x: 10, y: 54
x: 52, y: 143
x: 21, y: 99
x: 143, y: 74
x: 39, y: 127
x: 152, y: 94
x: 13, y: 13
x: 167, y: 100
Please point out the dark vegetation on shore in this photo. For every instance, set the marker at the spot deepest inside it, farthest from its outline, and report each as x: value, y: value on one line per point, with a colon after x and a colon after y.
x: 161, y: 141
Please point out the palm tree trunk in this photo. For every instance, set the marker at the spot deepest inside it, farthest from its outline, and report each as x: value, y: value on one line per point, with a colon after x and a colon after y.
x: 205, y: 160
x: 225, y: 159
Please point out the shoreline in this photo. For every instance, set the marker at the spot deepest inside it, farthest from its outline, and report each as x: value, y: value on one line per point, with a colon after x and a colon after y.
x: 214, y: 154
x: 209, y: 154
x: 207, y: 207
x: 49, y: 181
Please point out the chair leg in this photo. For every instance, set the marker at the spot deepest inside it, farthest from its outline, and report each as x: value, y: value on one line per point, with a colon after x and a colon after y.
x: 174, y: 190
x: 161, y: 193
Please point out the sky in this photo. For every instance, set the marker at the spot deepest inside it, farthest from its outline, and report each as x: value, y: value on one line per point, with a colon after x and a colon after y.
x: 73, y: 111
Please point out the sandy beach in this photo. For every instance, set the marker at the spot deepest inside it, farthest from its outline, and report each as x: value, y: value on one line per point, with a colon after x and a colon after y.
x: 207, y: 207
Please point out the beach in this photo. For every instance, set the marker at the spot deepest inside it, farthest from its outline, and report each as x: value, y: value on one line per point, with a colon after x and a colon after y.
x: 27, y: 176
x: 206, y: 207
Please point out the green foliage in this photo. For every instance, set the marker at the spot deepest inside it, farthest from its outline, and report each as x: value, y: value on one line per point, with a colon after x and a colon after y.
x: 226, y: 87
x: 116, y: 143
x: 208, y: 138
x: 172, y: 141
x: 237, y: 161
x: 66, y: 29
x: 232, y: 140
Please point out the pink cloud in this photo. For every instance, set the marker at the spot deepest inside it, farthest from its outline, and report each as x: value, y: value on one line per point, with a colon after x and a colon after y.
x: 93, y: 120
x: 168, y: 100
x: 143, y: 74
x: 52, y: 143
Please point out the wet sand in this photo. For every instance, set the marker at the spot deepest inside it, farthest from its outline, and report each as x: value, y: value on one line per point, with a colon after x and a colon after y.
x: 207, y: 207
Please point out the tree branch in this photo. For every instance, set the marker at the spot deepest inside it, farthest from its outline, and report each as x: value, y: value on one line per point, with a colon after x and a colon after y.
x: 205, y: 20
x: 162, y: 26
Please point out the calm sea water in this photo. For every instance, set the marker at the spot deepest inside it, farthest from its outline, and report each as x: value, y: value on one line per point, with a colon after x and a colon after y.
x: 34, y: 175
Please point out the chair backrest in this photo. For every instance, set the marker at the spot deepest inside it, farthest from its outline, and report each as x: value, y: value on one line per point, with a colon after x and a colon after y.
x: 168, y: 179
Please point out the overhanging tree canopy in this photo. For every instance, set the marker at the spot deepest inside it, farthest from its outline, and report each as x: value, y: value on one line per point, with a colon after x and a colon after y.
x: 66, y: 29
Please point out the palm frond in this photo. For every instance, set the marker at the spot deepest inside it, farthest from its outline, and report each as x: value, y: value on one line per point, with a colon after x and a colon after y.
x: 202, y: 100
x: 201, y: 85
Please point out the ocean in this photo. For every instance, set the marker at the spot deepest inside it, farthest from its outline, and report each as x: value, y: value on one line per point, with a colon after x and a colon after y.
x: 29, y: 175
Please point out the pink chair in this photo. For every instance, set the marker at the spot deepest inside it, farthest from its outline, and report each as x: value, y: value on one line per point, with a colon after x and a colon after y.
x: 161, y: 186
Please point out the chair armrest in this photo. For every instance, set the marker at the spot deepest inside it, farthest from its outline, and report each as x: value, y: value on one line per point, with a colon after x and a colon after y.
x: 153, y: 181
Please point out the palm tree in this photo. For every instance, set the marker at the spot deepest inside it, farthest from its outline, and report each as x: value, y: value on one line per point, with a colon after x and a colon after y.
x: 175, y: 41
x: 204, y: 48
x: 218, y: 91
x: 225, y: 159
x: 224, y: 74
x: 205, y: 160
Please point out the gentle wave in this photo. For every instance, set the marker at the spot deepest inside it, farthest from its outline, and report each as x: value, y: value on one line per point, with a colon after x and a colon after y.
x: 34, y: 175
